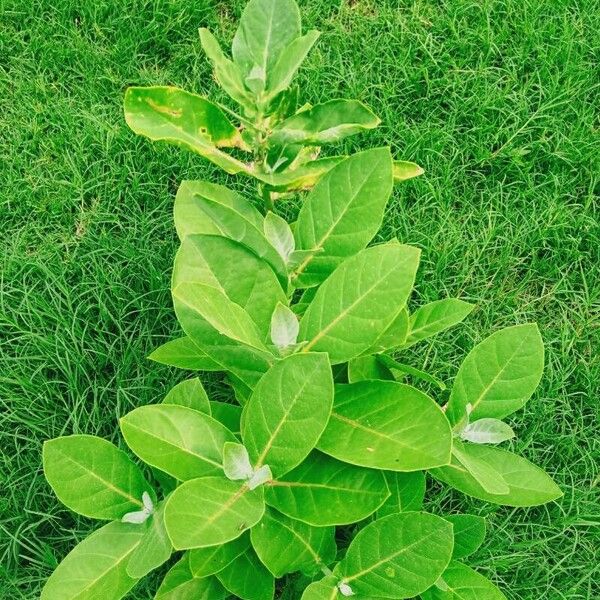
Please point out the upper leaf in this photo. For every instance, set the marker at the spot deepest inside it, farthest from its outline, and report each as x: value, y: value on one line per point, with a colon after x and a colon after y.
x: 387, y: 425
x: 210, y: 511
x: 435, y: 317
x: 342, y: 214
x: 266, y: 28
x: 398, y: 556
x: 96, y: 567
x: 324, y: 123
x: 499, y: 375
x: 284, y: 327
x: 359, y: 301
x: 280, y: 235
x: 527, y: 484
x: 288, y: 411
x: 177, y: 440
x: 323, y: 491
x: 93, y: 477
x: 173, y: 115
x: 286, y: 545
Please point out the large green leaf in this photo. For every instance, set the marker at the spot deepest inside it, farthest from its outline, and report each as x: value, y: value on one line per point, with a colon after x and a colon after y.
x: 323, y: 491
x: 247, y: 578
x: 342, y: 214
x: 180, y: 584
x: 236, y: 272
x: 173, y: 115
x: 290, y: 59
x: 154, y: 548
x: 266, y: 28
x: 387, y: 425
x: 96, y: 568
x: 359, y: 301
x: 285, y: 545
x: 93, y: 477
x: 211, y: 560
x: 469, y: 534
x: 189, y: 393
x: 485, y: 474
x: 178, y: 440
x: 324, y: 589
x: 499, y: 375
x: 184, y: 354
x: 325, y: 123
x: 206, y: 208
x: 407, y: 491
x: 288, y: 412
x: 211, y: 511
x: 435, y: 317
x: 398, y: 556
x: 527, y: 484
x: 227, y: 73
x: 460, y: 582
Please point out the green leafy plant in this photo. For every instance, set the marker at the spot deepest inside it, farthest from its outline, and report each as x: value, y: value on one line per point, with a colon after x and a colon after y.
x: 311, y: 479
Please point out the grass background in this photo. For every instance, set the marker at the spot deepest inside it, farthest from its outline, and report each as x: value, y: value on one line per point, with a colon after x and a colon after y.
x: 497, y: 100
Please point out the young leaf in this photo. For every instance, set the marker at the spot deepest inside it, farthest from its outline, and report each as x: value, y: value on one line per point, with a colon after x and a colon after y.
x: 173, y: 115
x: 485, y: 474
x: 398, y: 556
x: 93, y: 477
x: 191, y: 394
x: 404, y: 170
x: 96, y: 567
x: 184, y: 354
x: 469, y: 533
x: 436, y: 316
x: 407, y: 493
x: 286, y: 545
x: 366, y: 368
x: 211, y: 560
x: 154, y: 548
x: 325, y: 123
x: 527, y: 484
x: 247, y: 578
x: 499, y: 375
x: 224, y: 315
x: 288, y: 63
x: 288, y: 411
x: 280, y: 235
x: 211, y: 511
x: 323, y: 491
x: 394, y: 336
x: 342, y: 214
x: 386, y: 425
x: 301, y: 177
x: 463, y: 583
x: 227, y: 73
x: 206, y: 208
x: 236, y: 462
x: 324, y: 589
x: 265, y: 30
x: 227, y: 414
x: 284, y: 327
x: 177, y: 440
x: 487, y: 431
x: 359, y: 301
x: 180, y: 584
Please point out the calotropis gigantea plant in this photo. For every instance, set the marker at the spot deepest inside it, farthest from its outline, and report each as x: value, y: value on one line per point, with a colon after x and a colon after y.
x: 311, y: 479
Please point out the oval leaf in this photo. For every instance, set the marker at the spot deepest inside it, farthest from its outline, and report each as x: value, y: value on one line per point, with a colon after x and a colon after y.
x: 96, y: 567
x: 191, y: 394
x: 180, y: 584
x: 288, y: 412
x: 387, y: 425
x: 398, y: 556
x: 359, y: 301
x: 177, y: 440
x: 211, y: 511
x: 487, y: 431
x: 93, y: 477
x: 211, y: 560
x: 323, y: 491
x: 407, y: 491
x: 247, y: 578
x: 184, y: 354
x: 469, y: 534
x: 499, y: 375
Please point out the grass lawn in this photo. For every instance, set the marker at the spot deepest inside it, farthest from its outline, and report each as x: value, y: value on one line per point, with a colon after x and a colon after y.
x: 496, y: 99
